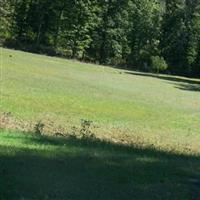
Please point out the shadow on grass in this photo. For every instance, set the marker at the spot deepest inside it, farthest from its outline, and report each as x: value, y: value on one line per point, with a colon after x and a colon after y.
x: 84, y: 169
x: 181, y: 83
x: 190, y: 87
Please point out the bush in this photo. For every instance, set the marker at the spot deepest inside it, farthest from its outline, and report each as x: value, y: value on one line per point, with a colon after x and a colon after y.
x: 158, y: 64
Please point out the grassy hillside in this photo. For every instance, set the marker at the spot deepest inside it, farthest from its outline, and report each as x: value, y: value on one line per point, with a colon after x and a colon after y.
x: 123, y: 105
x: 158, y: 116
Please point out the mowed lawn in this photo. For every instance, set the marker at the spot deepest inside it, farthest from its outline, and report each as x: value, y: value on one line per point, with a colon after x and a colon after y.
x: 146, y: 127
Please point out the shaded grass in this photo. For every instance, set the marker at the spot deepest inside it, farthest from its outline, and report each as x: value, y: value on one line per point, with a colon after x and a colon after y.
x: 36, y: 167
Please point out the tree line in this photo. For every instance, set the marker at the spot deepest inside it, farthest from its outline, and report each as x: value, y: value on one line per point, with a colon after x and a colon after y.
x: 147, y: 35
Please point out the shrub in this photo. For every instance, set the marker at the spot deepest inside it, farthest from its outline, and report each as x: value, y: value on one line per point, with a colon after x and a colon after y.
x: 158, y: 64
x: 38, y: 129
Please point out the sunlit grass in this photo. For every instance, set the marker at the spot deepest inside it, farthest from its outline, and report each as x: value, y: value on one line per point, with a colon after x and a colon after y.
x: 163, y: 112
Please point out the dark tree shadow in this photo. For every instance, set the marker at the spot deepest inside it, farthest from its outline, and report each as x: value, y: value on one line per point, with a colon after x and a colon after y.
x: 190, y: 87
x: 180, y: 82
x: 96, y: 170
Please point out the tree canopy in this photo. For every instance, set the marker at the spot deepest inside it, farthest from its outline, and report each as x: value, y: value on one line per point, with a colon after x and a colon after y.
x: 127, y: 33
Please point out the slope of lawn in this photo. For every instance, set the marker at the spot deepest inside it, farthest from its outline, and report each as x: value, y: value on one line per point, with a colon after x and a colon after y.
x: 40, y: 167
x: 127, y: 106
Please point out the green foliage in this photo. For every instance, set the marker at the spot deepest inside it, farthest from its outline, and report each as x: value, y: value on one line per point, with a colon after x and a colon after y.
x: 6, y: 12
x: 174, y: 34
x: 180, y: 35
x: 85, y: 129
x: 144, y: 35
x: 158, y: 64
x: 38, y: 129
x: 114, y: 32
x: 193, y: 24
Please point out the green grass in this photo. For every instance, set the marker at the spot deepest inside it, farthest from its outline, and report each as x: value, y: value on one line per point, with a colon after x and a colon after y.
x: 163, y: 111
x: 37, y: 167
x: 158, y: 116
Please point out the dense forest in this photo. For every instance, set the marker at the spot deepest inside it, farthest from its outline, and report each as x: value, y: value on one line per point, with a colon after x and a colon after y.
x: 146, y: 35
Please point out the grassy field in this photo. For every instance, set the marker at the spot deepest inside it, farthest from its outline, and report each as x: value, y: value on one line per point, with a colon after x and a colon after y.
x: 123, y: 105
x: 158, y: 116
